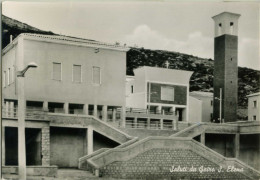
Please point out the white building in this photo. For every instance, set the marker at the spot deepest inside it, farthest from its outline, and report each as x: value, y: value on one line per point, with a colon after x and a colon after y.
x: 253, y: 107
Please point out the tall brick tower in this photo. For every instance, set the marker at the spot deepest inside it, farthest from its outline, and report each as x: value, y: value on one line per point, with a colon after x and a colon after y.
x: 225, y: 66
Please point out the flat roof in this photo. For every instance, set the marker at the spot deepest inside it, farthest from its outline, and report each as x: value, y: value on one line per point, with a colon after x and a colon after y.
x: 67, y: 40
x: 201, y: 93
x: 254, y: 94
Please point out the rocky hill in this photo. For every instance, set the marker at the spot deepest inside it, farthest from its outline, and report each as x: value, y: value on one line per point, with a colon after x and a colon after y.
x: 13, y: 27
x: 201, y: 80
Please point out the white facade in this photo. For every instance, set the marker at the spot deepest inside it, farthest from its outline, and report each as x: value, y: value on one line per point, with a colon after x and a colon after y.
x: 206, y: 108
x: 253, y: 107
x: 159, y: 89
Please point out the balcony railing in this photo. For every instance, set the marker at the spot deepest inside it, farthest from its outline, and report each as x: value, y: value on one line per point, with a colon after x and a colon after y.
x: 147, y: 111
x: 29, y: 113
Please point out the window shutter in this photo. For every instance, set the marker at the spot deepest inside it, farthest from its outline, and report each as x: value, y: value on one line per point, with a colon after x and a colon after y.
x: 76, y: 73
x: 57, y: 71
x: 96, y: 75
x: 167, y: 93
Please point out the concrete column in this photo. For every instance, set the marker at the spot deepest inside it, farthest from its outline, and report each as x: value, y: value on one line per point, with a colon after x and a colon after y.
x: 45, y: 106
x: 158, y: 109
x: 237, y: 144
x: 114, y: 115
x: 174, y: 124
x: 85, y: 143
x: 46, y: 146
x: 66, y: 108
x: 7, y: 108
x: 123, y: 116
x: 161, y: 123
x: 104, y: 113
x: 85, y: 109
x: 90, y: 140
x: 202, y: 138
x: 172, y: 110
x: 148, y: 123
x: 3, y: 146
x: 11, y: 107
x: 95, y: 110
x: 135, y: 122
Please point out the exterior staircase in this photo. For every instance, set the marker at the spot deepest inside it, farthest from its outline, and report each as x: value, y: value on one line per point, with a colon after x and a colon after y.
x: 154, y: 157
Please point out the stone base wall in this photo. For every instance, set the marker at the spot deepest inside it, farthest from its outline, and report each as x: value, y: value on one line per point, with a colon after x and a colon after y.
x: 157, y: 163
x: 46, y: 146
x: 48, y: 171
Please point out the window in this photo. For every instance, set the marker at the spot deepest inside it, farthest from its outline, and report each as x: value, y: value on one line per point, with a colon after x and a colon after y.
x: 56, y: 74
x: 167, y: 93
x: 231, y: 23
x: 11, y: 75
x: 255, y: 104
x: 96, y: 75
x: 76, y: 73
x: 211, y: 102
x: 132, y: 89
x: 8, y: 76
x: 219, y: 25
x: 254, y: 118
x: 4, y: 76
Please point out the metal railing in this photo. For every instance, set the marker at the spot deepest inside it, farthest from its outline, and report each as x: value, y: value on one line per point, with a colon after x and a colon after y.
x: 153, y: 125
x: 29, y: 113
x: 147, y: 111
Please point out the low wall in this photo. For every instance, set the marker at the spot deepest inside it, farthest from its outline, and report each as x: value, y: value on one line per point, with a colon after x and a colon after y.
x: 48, y: 171
x: 155, y: 156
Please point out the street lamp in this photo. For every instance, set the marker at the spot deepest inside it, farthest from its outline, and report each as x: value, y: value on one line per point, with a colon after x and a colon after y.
x: 21, y: 121
x: 220, y: 104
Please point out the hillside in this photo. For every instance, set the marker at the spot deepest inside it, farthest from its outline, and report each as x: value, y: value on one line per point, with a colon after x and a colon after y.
x: 201, y: 80
x: 13, y: 27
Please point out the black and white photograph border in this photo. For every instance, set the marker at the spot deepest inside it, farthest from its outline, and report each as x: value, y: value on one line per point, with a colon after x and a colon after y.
x: 130, y: 90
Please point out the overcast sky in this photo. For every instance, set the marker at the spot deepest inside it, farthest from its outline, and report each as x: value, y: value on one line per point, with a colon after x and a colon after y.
x: 182, y: 27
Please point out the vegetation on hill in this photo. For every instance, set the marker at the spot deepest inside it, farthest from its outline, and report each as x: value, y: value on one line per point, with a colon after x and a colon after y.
x: 201, y: 80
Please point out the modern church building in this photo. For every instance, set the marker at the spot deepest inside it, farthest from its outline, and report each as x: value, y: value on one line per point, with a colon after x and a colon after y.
x: 79, y: 110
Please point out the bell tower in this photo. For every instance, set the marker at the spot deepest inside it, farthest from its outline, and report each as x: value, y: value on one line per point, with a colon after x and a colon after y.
x: 225, y: 67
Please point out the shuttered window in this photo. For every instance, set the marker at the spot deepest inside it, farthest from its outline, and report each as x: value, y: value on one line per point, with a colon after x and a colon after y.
x: 56, y: 71
x: 96, y: 75
x: 4, y: 76
x: 167, y: 93
x: 8, y: 77
x: 76, y: 73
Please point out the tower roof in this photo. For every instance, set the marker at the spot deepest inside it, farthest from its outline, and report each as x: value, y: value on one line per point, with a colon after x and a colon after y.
x: 225, y: 14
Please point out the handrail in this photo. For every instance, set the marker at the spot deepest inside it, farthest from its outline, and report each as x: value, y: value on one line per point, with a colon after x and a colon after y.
x: 85, y: 158
x: 190, y: 144
x: 186, y: 130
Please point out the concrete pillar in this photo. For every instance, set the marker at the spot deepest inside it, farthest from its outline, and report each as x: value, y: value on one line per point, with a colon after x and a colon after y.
x: 172, y: 110
x: 158, y: 109
x: 135, y: 122
x: 7, y: 108
x: 46, y: 146
x: 3, y: 146
x: 237, y: 144
x: 90, y: 140
x: 85, y: 143
x: 174, y: 124
x: 114, y: 114
x: 66, y: 108
x: 161, y: 123
x: 85, y: 109
x: 45, y: 106
x: 11, y: 107
x: 148, y: 123
x: 104, y: 113
x: 95, y: 110
x: 123, y: 116
x: 202, y: 138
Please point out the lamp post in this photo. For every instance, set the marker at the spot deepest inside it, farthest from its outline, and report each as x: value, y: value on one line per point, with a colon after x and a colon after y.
x: 220, y: 104
x: 21, y: 122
